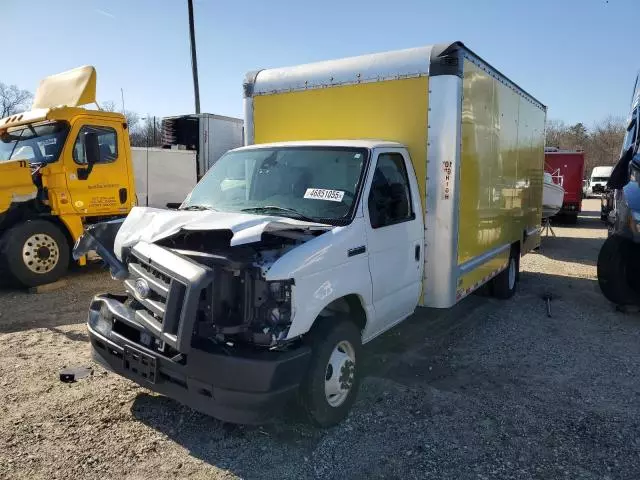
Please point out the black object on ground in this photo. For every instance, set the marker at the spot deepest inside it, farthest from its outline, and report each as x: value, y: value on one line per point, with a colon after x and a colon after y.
x: 70, y: 375
x: 547, y: 297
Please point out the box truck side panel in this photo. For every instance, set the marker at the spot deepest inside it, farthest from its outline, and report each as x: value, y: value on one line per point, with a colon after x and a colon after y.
x: 531, y: 162
x: 500, y: 173
x: 393, y: 110
x: 224, y: 134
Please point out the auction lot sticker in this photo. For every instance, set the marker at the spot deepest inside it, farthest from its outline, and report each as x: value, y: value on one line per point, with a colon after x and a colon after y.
x: 322, y: 194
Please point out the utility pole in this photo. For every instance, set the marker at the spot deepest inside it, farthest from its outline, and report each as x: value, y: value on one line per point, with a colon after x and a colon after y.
x: 194, y: 59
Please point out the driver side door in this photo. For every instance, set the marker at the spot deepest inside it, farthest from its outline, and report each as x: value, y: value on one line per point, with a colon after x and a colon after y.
x: 395, y: 238
x: 106, y: 189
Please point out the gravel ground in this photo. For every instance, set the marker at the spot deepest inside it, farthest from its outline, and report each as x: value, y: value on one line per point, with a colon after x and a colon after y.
x: 488, y: 389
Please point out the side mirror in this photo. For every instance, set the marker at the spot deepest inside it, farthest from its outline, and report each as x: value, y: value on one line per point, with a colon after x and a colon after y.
x: 92, y: 154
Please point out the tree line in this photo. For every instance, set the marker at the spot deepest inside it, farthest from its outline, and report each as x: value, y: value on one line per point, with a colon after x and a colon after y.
x: 601, y: 143
x: 144, y: 131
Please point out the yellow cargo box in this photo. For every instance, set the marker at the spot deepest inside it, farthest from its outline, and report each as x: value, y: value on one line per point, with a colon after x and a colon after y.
x: 476, y: 141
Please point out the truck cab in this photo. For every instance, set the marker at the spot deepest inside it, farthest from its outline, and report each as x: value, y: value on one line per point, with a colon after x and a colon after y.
x: 61, y: 168
x: 598, y: 180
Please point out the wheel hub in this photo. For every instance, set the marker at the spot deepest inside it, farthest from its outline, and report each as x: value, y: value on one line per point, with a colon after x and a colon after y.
x: 40, y: 253
x: 340, y: 373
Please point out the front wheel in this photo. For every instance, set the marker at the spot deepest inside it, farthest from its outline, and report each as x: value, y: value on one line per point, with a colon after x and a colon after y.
x: 333, y: 379
x: 34, y: 253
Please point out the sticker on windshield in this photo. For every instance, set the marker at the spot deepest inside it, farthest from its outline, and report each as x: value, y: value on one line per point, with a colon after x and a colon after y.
x: 322, y: 194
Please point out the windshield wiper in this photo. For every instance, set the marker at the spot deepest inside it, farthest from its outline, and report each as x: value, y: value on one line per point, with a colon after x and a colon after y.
x: 275, y: 208
x: 198, y: 208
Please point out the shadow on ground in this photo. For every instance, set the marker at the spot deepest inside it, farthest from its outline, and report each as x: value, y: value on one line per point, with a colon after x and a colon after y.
x: 486, y: 373
x: 21, y: 310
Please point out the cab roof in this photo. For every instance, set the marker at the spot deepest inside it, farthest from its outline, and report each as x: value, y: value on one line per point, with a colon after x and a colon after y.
x: 59, y: 113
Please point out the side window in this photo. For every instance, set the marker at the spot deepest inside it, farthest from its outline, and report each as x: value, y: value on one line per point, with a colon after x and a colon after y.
x: 390, y: 196
x: 107, y: 140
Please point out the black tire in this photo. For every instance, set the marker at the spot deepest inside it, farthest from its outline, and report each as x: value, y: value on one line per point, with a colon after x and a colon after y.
x: 52, y: 257
x: 615, y: 266
x: 323, y: 339
x: 504, y: 285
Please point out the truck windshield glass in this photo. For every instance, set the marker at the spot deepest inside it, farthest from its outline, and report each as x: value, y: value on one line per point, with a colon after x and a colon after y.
x: 36, y: 144
x: 316, y: 184
x: 599, y: 179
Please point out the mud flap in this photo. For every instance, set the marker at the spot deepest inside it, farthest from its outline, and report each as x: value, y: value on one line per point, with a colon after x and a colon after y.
x: 100, y: 237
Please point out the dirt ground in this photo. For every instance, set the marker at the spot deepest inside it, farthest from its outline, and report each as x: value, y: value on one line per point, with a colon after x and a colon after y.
x: 488, y: 389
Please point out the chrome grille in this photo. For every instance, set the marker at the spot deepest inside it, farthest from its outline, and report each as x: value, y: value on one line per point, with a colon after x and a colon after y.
x: 163, y: 292
x: 169, y: 290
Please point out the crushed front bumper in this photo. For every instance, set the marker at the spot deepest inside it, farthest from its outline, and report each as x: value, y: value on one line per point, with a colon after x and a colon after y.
x: 233, y: 386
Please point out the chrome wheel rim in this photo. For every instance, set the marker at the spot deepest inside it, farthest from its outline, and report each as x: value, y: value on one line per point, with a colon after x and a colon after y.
x: 40, y: 253
x: 340, y: 373
x: 512, y: 273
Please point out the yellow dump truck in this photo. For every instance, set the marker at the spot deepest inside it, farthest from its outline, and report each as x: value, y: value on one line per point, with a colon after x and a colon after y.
x: 60, y: 167
x: 63, y: 167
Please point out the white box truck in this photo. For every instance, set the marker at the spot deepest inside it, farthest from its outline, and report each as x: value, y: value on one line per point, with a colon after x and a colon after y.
x: 369, y: 187
x: 598, y: 180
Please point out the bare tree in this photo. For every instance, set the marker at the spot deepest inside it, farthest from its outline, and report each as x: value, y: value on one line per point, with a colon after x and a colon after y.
x: 13, y: 100
x: 147, y: 134
x: 601, y: 143
x: 554, y: 132
x: 606, y: 141
x: 132, y: 117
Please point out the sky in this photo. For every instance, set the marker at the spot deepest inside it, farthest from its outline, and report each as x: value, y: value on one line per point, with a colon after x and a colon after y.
x: 575, y: 56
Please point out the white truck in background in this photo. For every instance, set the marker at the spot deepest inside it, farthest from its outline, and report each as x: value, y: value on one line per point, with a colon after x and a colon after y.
x: 191, y: 145
x: 598, y: 180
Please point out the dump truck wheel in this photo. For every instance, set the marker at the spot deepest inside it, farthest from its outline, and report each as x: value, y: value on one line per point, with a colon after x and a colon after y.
x: 34, y: 253
x: 503, y: 286
x: 615, y: 266
x: 331, y: 385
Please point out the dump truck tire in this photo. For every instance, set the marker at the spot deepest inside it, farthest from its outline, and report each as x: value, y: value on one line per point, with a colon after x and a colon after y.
x: 34, y: 253
x: 615, y: 267
x: 332, y: 381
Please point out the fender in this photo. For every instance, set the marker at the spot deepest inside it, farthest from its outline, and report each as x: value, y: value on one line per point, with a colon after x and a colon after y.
x: 332, y: 265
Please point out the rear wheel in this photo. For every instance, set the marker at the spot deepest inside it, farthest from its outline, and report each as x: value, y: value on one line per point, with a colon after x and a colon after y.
x: 616, y: 262
x: 331, y: 385
x: 504, y: 284
x: 34, y: 253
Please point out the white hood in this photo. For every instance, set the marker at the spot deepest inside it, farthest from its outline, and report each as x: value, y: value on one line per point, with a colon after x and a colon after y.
x: 153, y: 224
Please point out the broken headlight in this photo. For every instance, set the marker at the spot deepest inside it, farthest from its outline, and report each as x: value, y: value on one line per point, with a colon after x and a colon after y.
x: 274, y: 313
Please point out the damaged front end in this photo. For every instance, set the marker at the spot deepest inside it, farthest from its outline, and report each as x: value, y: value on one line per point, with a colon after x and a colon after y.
x: 199, y: 321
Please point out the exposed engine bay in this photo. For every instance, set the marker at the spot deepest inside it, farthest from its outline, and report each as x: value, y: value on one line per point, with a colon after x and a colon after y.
x: 193, y: 288
x: 239, y: 305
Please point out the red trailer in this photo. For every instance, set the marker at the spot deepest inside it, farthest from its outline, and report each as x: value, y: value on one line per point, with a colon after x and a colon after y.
x: 567, y: 168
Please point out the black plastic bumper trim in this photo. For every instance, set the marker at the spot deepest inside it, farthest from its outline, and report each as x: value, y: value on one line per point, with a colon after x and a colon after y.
x: 239, y: 388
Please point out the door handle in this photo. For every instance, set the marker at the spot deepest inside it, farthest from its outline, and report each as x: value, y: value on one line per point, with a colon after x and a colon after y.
x: 417, y: 253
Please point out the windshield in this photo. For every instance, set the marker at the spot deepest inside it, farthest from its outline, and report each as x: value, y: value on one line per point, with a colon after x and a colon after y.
x: 37, y: 144
x: 599, y: 179
x: 315, y: 184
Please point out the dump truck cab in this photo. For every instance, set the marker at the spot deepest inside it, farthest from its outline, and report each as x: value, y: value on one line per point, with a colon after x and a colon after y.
x: 61, y: 166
